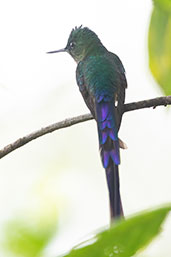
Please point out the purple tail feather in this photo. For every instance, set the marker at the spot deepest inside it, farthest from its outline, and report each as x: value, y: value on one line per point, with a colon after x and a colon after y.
x: 109, y: 150
x: 107, y: 130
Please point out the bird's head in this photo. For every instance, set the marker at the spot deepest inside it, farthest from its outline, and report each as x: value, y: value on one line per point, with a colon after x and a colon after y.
x: 81, y: 42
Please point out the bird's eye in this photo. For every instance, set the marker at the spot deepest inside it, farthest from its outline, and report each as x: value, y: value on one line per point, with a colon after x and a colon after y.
x: 71, y: 45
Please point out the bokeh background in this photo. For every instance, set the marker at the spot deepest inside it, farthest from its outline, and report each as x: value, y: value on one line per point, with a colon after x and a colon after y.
x: 58, y: 179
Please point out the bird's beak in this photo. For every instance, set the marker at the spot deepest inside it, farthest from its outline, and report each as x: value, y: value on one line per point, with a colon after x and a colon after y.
x: 57, y: 51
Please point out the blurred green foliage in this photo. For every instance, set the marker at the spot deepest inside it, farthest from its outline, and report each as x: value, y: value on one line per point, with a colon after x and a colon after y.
x: 159, y: 44
x: 28, y: 236
x: 126, y: 237
x: 164, y: 4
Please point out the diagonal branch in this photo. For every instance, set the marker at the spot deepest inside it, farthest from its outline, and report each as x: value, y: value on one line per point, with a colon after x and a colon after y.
x: 72, y: 121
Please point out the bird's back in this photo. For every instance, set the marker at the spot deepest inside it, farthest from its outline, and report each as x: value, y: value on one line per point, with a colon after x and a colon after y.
x: 101, y: 75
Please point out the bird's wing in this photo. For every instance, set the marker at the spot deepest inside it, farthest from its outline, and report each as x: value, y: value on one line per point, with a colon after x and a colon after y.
x: 84, y: 91
x: 122, y: 85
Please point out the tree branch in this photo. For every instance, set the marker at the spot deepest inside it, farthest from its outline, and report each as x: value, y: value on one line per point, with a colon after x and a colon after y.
x: 72, y: 121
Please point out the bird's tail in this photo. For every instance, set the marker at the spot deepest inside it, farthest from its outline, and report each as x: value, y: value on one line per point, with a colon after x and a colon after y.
x: 112, y: 176
x: 109, y: 150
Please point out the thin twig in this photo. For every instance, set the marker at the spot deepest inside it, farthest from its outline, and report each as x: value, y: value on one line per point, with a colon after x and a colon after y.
x: 72, y: 121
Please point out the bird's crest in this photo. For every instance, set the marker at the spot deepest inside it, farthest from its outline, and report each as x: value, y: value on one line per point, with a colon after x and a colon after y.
x: 82, y: 32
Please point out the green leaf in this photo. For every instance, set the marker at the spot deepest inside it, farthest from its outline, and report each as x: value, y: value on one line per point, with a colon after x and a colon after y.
x: 164, y: 4
x: 29, y: 234
x: 159, y: 44
x: 126, y: 237
x: 24, y: 240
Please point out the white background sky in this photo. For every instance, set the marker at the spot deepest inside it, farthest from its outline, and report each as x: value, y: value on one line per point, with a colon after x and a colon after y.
x: 38, y: 89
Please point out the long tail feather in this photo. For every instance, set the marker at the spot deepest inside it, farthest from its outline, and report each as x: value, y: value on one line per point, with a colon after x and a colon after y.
x: 109, y: 150
x: 112, y: 175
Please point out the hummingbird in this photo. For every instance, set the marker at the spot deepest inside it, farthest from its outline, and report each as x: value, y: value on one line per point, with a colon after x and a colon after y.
x: 101, y: 79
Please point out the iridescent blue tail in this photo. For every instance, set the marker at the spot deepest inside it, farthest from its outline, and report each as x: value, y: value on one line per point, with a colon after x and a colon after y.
x: 109, y: 150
